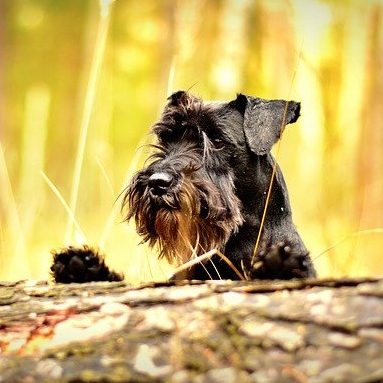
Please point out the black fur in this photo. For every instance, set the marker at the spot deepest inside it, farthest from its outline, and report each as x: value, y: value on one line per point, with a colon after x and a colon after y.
x: 81, y: 264
x: 206, y: 185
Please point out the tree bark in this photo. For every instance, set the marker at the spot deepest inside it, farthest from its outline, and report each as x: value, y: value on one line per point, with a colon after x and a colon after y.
x: 219, y: 331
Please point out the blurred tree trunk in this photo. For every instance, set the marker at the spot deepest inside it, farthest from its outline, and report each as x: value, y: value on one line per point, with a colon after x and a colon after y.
x: 3, y: 18
x: 370, y: 152
x: 218, y: 331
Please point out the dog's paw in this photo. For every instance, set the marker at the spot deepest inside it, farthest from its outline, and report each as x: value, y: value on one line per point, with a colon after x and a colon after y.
x: 80, y: 265
x: 280, y: 261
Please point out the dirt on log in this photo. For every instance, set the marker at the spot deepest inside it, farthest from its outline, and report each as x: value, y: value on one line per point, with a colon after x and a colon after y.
x: 220, y: 331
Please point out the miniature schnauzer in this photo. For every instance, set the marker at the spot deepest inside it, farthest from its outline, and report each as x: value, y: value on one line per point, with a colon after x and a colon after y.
x: 206, y: 186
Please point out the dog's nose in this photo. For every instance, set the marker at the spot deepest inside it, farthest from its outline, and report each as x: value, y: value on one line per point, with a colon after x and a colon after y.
x: 159, y: 183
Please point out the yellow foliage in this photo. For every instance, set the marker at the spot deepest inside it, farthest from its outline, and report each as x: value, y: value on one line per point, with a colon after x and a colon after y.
x: 81, y: 83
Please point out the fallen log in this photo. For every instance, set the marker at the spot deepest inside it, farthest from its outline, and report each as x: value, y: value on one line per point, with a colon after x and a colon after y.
x: 328, y: 330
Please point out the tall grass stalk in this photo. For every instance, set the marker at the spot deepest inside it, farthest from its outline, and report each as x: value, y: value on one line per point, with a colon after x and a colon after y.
x: 2, y: 244
x: 106, y: 178
x: 142, y: 252
x: 269, y: 189
x: 17, y: 249
x: 133, y: 165
x: 70, y: 213
x: 32, y: 156
x: 102, y: 32
x: 378, y: 230
x: 276, y: 157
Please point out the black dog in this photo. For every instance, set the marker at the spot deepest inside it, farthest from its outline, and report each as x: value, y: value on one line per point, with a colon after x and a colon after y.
x: 206, y: 187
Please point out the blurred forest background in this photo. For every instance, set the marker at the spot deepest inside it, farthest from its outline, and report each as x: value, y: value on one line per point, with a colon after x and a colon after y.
x: 81, y: 82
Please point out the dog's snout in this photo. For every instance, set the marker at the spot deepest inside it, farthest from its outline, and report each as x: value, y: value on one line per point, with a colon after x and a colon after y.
x: 159, y: 183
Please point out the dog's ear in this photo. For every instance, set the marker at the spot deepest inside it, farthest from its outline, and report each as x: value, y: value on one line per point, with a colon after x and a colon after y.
x: 182, y: 98
x: 175, y: 98
x: 265, y: 120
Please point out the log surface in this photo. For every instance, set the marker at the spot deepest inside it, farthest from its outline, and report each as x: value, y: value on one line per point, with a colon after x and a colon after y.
x: 219, y: 331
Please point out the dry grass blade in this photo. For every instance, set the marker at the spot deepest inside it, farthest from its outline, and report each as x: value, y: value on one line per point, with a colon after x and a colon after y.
x: 12, y: 218
x: 270, y: 187
x: 8, y: 198
x: 133, y: 165
x: 227, y: 260
x: 89, y: 100
x: 106, y: 178
x: 71, y: 216
x: 205, y: 257
x: 378, y: 230
x: 275, y: 163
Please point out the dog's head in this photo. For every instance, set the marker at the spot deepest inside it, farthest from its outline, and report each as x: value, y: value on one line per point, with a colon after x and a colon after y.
x: 185, y: 200
x: 260, y: 121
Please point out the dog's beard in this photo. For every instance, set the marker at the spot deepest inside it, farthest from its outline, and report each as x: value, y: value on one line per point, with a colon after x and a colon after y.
x: 185, y: 224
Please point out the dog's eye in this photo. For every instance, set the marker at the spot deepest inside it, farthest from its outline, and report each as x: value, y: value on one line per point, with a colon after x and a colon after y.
x: 218, y: 143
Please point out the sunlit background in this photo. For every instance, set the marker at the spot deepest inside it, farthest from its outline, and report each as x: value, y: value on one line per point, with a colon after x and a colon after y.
x: 81, y: 82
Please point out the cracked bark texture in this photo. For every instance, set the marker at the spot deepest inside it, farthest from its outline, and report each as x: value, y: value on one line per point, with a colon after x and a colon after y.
x: 220, y: 331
